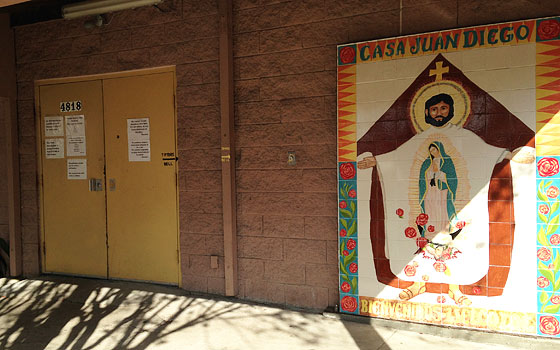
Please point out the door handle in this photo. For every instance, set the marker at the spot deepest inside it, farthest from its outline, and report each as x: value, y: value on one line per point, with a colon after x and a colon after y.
x: 95, y: 185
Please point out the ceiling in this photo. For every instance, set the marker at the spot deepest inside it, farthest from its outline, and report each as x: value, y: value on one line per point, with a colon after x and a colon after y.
x: 33, y: 11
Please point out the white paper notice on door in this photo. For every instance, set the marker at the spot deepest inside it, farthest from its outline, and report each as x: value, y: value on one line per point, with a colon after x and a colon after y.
x: 76, y: 169
x: 54, y: 148
x: 54, y: 126
x: 76, y: 146
x: 138, y: 139
x: 75, y: 125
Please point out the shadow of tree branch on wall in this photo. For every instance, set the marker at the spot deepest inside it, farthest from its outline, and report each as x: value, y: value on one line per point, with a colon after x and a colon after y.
x: 75, y: 313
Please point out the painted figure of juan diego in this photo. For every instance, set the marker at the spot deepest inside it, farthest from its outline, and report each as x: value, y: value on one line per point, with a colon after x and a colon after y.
x: 442, y: 186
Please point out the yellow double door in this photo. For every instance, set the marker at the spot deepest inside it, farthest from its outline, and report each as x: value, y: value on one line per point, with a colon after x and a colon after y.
x: 108, y: 176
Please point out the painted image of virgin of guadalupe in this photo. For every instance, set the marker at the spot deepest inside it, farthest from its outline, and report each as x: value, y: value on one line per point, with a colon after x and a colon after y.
x: 438, y: 187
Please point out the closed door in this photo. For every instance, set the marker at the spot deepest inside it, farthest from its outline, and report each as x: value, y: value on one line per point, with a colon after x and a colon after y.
x: 120, y: 221
x: 142, y: 194
x: 74, y: 221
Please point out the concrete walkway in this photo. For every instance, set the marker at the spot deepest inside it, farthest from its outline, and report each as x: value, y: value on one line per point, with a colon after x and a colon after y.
x: 75, y: 313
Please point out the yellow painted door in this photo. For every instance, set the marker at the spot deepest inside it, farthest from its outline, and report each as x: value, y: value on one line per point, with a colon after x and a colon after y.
x: 140, y: 148
x: 74, y: 223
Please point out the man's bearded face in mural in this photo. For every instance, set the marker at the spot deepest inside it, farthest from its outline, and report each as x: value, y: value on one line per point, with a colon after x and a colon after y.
x: 439, y: 110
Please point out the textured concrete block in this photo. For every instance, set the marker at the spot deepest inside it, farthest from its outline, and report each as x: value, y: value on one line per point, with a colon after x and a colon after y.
x: 284, y: 272
x: 249, y: 224
x: 321, y: 275
x: 301, y: 85
x: 321, y: 228
x: 305, y: 251
x: 283, y: 226
x: 260, y: 247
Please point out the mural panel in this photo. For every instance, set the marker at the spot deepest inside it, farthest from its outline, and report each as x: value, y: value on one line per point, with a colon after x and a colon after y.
x: 448, y: 150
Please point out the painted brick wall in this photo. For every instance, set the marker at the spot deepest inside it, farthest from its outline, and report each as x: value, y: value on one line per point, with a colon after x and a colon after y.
x: 285, y: 87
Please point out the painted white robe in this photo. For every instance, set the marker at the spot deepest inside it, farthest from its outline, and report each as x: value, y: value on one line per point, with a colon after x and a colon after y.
x: 474, y: 161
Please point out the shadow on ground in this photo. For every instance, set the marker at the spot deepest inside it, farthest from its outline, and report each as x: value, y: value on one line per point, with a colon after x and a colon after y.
x: 74, y: 313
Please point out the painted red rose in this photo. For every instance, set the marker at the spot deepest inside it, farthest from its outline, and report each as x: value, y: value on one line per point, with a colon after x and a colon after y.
x: 544, y: 254
x: 421, y: 242
x: 460, y: 224
x: 476, y: 290
x: 555, y: 299
x: 351, y: 244
x: 347, y: 54
x: 352, y: 193
x: 347, y: 171
x: 410, y: 232
x: 548, y: 167
x: 400, y: 213
x: 342, y: 204
x: 410, y: 270
x: 552, y: 192
x: 349, y: 303
x: 345, y: 287
x: 343, y: 233
x: 542, y: 282
x: 431, y: 228
x: 549, y: 325
x: 345, y: 253
x: 353, y: 268
x: 555, y: 239
x: 441, y: 299
x: 548, y: 29
x: 440, y: 266
x: 544, y: 209
x: 422, y: 219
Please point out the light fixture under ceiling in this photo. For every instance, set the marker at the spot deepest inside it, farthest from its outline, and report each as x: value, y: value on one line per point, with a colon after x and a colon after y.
x: 97, y: 7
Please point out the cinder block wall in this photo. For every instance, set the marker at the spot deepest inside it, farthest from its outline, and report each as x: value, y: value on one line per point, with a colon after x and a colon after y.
x: 285, y: 87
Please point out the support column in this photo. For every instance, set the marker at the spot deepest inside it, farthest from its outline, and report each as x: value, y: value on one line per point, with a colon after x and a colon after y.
x: 8, y: 95
x: 229, y: 202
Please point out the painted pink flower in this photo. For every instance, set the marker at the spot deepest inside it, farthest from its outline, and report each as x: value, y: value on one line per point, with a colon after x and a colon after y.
x: 440, y: 266
x: 425, y: 278
x: 555, y: 239
x: 555, y: 299
x: 548, y: 166
x: 548, y: 29
x: 410, y: 232
x: 549, y: 325
x: 352, y: 193
x: 348, y: 303
x: 552, y: 192
x: 476, y: 290
x: 347, y: 171
x: 410, y: 270
x: 421, y: 242
x: 353, y: 268
x: 544, y: 209
x: 431, y: 228
x: 544, y: 254
x: 351, y: 244
x: 345, y: 287
x: 542, y: 282
x: 422, y: 219
x: 460, y: 224
x: 347, y: 54
x: 343, y: 233
x: 441, y: 299
x: 400, y: 213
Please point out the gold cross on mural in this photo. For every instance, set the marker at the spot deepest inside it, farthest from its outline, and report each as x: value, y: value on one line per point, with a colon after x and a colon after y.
x: 439, y: 71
